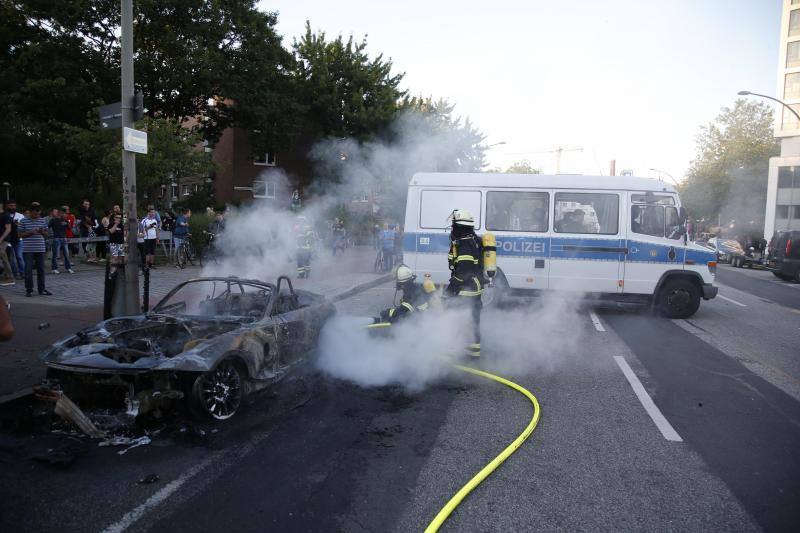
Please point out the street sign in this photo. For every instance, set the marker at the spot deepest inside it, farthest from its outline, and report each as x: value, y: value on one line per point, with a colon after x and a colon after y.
x: 111, y: 115
x: 134, y: 140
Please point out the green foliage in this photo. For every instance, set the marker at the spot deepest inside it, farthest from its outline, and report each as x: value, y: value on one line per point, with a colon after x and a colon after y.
x: 198, y: 223
x: 522, y: 167
x: 347, y: 93
x: 727, y: 180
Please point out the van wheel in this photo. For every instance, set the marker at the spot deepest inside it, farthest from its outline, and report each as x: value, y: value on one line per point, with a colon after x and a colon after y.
x: 678, y: 298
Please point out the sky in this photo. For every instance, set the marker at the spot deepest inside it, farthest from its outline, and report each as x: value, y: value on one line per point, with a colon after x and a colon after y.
x: 630, y: 80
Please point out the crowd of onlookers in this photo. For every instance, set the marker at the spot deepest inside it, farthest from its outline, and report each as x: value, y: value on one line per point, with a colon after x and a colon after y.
x: 28, y: 235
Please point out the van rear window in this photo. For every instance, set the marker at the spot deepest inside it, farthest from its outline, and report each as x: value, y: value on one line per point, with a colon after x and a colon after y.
x: 517, y: 211
x: 437, y: 206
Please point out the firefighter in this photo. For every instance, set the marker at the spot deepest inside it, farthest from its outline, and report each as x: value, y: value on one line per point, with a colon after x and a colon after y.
x: 303, y: 239
x: 465, y: 260
x: 414, y: 297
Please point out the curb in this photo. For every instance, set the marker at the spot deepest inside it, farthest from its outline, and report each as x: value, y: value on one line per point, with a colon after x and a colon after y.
x: 361, y: 287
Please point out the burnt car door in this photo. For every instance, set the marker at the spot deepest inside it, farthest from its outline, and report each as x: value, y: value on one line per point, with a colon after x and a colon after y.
x: 291, y: 326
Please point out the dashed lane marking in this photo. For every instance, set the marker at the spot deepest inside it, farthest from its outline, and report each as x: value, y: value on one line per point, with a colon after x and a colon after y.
x: 658, y: 418
x: 731, y: 300
x: 596, y: 321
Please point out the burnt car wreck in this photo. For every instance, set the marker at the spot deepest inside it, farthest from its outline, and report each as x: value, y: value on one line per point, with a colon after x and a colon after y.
x: 208, y: 343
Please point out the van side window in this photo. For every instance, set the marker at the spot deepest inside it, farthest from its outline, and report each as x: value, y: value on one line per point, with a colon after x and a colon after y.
x: 587, y: 213
x: 517, y: 211
x: 656, y: 220
x: 436, y: 206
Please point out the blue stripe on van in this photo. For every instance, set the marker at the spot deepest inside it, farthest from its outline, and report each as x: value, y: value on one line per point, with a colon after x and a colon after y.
x: 566, y: 248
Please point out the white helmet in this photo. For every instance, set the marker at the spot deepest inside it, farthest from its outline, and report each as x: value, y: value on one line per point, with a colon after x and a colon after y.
x: 462, y: 217
x: 404, y: 274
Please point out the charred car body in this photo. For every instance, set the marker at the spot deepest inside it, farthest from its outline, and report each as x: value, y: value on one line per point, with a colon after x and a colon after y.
x: 209, y: 342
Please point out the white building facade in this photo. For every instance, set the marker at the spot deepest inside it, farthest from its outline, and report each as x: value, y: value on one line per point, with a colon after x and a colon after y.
x: 783, y: 189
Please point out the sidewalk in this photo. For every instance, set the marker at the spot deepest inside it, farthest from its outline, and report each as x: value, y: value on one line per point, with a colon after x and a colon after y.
x: 77, y: 303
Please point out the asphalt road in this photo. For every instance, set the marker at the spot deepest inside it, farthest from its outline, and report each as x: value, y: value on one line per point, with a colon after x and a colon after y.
x: 323, y: 454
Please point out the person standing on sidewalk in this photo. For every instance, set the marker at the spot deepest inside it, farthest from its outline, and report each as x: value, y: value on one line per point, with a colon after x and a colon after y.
x: 116, y: 241
x: 181, y: 231
x: 32, y: 230
x: 71, y: 228
x: 387, y: 247
x: 9, y: 225
x: 149, y: 227
x: 58, y: 225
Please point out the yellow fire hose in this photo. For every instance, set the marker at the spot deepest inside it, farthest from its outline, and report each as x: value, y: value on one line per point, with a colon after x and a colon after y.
x: 459, y: 496
x: 450, y: 506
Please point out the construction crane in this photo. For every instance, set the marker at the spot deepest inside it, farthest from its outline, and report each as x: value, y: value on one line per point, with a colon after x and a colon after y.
x: 558, y: 151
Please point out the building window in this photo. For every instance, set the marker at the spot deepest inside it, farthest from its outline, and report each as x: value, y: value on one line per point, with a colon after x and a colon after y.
x: 263, y: 189
x: 361, y: 197
x: 794, y: 22
x: 196, y: 187
x: 174, y: 191
x: 186, y: 190
x: 789, y: 120
x: 782, y: 211
x: 163, y: 191
x: 788, y: 177
x: 793, y: 54
x: 267, y: 160
x: 791, y: 86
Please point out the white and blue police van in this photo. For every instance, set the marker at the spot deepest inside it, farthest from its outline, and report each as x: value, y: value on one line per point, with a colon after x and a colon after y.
x: 620, y: 238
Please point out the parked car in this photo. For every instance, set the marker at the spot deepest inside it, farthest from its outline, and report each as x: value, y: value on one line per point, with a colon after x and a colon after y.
x: 209, y: 342
x: 726, y: 249
x: 783, y: 258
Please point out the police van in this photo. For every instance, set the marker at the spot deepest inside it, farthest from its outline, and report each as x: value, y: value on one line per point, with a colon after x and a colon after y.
x: 603, y: 237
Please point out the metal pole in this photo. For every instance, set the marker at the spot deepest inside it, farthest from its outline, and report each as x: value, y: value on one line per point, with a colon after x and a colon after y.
x: 131, y: 291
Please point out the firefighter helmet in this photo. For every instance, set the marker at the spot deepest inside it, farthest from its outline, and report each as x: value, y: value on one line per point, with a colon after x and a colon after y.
x: 462, y: 217
x: 404, y: 274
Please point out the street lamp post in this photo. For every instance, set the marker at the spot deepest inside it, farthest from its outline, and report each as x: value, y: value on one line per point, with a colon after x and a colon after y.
x: 787, y: 106
x: 667, y: 174
x: 784, y: 104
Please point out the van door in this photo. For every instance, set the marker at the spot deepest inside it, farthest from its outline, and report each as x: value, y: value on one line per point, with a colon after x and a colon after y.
x: 655, y: 241
x: 519, y: 220
x: 587, y: 249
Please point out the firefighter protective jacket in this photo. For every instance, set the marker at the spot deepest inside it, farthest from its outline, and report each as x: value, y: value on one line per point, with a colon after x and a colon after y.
x: 466, y: 270
x: 414, y: 299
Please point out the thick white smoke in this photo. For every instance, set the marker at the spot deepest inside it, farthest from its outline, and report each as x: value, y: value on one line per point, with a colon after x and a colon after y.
x: 538, y: 338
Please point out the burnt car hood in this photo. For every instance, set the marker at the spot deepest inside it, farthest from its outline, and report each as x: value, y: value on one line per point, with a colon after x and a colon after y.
x: 145, y: 342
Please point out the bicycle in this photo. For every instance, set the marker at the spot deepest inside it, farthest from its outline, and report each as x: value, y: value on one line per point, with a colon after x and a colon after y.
x: 185, y: 253
x: 210, y: 252
x: 379, y: 262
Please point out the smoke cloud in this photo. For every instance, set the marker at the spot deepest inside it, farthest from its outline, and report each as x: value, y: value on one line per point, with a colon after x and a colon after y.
x: 536, y: 338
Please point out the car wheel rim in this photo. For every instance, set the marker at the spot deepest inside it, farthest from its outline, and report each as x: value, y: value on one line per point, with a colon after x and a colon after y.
x: 221, y: 391
x: 679, y: 299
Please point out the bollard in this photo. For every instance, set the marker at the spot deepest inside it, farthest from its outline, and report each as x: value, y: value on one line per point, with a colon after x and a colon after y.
x: 108, y: 291
x: 146, y: 290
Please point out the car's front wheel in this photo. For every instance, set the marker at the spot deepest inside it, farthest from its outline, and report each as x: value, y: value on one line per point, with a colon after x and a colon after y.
x: 678, y: 298
x: 218, y: 392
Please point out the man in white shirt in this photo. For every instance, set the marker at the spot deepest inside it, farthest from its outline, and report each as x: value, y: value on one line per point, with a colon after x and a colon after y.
x: 149, y: 228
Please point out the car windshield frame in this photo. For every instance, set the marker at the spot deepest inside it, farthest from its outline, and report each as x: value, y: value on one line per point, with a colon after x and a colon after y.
x: 163, y: 306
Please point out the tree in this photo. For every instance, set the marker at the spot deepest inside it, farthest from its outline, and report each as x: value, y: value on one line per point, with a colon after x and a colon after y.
x: 522, y: 167
x: 727, y: 180
x: 348, y: 94
x: 174, y: 153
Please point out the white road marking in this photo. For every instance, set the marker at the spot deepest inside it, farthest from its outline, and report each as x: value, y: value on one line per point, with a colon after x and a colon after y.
x: 157, y: 498
x: 596, y: 321
x: 224, y: 458
x: 660, y: 421
x: 786, y: 284
x: 731, y: 300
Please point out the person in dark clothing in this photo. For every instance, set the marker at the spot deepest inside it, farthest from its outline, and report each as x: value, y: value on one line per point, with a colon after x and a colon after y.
x: 58, y: 225
x: 32, y: 231
x: 413, y: 297
x: 466, y: 274
x: 9, y: 226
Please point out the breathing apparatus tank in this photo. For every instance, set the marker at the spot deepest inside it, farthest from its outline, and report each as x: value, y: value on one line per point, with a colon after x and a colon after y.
x: 489, y: 255
x: 428, y: 286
